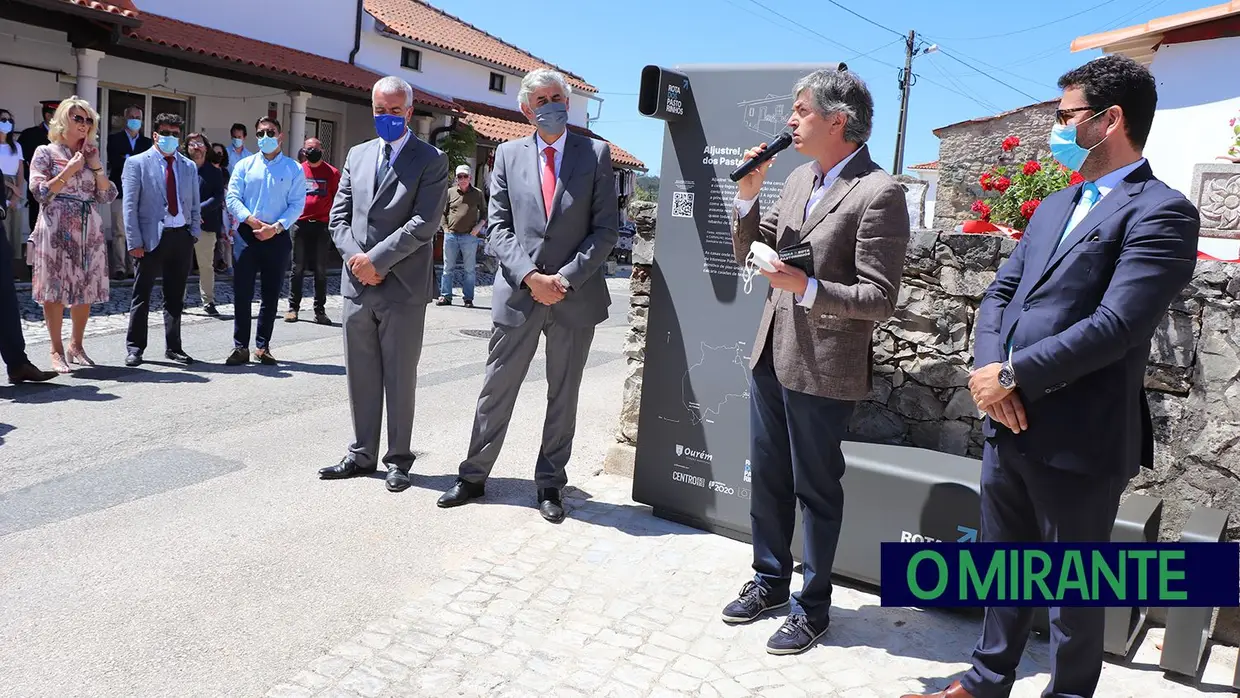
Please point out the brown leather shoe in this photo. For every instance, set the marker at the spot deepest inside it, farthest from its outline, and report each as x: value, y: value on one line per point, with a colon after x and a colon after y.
x: 30, y: 373
x: 952, y: 691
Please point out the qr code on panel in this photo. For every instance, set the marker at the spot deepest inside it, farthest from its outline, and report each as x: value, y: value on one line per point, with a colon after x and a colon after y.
x: 682, y: 204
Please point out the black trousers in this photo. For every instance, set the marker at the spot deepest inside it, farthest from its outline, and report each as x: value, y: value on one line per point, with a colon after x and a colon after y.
x: 12, y: 341
x: 172, y: 260
x: 311, y: 245
x: 267, y: 261
x: 795, y: 457
x: 1024, y: 500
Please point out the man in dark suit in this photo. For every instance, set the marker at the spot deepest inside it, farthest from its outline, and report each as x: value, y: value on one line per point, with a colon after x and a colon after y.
x: 553, y: 221
x: 811, y: 358
x: 30, y: 139
x: 122, y: 145
x: 1063, y: 337
x: 12, y: 341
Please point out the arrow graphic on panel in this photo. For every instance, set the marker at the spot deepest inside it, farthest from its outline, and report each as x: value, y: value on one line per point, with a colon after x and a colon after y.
x: 969, y: 534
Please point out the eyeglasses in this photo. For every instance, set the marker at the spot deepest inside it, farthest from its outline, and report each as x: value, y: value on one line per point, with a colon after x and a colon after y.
x: 266, y: 132
x: 1062, y: 115
x: 79, y: 119
x: 462, y: 176
x: 168, y: 132
x: 5, y: 120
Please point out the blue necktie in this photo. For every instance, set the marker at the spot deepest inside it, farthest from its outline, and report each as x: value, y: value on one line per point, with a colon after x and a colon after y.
x: 1089, y: 197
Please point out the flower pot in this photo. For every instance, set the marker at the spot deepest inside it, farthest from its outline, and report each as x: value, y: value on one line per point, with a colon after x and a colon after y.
x: 978, y: 227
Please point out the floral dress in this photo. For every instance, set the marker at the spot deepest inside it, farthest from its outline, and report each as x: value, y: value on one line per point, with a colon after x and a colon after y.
x: 67, y: 247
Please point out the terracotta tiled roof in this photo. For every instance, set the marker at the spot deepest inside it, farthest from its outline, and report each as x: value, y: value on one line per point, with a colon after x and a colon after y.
x: 925, y: 166
x: 500, y: 125
x: 421, y: 22
x: 124, y: 8
x: 1139, y: 42
x: 223, y: 46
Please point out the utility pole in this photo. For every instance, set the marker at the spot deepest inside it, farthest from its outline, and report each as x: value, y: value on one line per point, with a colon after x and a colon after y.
x: 906, y: 81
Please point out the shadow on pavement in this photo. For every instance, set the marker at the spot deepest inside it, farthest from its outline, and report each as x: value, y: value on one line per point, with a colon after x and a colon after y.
x: 41, y: 393
x: 4, y: 430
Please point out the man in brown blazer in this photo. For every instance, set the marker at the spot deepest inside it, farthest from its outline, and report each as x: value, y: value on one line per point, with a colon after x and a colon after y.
x: 811, y: 361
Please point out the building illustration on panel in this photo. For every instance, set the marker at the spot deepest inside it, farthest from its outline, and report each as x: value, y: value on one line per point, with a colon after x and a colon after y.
x: 767, y: 115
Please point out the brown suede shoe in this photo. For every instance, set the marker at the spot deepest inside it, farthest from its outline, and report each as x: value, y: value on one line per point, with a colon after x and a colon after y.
x: 952, y: 691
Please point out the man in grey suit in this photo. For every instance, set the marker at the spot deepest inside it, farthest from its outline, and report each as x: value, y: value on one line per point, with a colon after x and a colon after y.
x: 811, y: 360
x: 553, y: 220
x: 383, y: 221
x: 162, y: 223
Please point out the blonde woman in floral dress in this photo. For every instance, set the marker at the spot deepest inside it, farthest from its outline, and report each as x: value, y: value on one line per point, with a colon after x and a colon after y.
x: 67, y: 247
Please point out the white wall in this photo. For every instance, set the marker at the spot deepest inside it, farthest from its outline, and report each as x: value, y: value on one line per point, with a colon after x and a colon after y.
x: 1194, y: 105
x: 323, y: 27
x: 448, y: 75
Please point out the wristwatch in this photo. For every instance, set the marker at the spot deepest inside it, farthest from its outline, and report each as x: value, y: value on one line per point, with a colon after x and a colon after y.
x: 1007, y: 378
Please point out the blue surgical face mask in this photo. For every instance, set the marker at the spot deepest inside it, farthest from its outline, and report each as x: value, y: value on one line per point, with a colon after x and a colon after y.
x: 389, y: 126
x: 134, y: 125
x: 552, y: 117
x: 238, y: 142
x: 268, y: 144
x: 6, y: 126
x: 1064, y: 147
x: 168, y: 144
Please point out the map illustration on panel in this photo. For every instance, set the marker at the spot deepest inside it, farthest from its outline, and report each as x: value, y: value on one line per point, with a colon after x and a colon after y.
x: 722, y: 377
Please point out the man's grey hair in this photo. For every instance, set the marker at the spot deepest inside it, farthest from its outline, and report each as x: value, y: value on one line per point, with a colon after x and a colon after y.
x: 390, y: 85
x: 536, y: 80
x: 841, y: 92
x: 131, y: 110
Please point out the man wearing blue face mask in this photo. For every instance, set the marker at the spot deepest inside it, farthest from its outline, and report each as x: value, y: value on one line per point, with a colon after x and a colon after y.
x: 553, y: 221
x: 1063, y: 337
x: 122, y: 145
x: 266, y: 194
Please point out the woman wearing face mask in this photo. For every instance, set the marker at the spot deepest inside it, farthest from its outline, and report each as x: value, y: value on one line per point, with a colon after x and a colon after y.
x: 11, y: 164
x: 223, y: 246
x: 67, y: 248
x: 211, y: 191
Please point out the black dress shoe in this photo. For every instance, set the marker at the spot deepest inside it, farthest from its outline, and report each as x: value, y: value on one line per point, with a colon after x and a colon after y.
x: 549, y: 505
x: 238, y: 357
x: 29, y: 373
x: 209, y: 309
x: 397, y: 480
x: 345, y: 468
x: 134, y: 358
x: 179, y: 357
x: 460, y: 493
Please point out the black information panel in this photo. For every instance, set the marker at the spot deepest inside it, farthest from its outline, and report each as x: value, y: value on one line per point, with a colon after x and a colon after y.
x: 694, y: 425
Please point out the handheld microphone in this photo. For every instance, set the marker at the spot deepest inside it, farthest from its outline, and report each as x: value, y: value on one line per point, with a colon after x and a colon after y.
x: 783, y: 140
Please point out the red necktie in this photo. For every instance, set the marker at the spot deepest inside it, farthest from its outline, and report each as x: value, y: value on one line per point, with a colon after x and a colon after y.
x: 548, y: 179
x: 173, y: 204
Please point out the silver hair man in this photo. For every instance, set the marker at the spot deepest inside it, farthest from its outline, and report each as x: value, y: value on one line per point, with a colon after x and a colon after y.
x: 841, y: 92
x: 538, y: 79
x: 391, y: 85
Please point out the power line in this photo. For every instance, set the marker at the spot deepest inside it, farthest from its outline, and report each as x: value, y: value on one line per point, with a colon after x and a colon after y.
x: 1028, y: 29
x: 988, y: 75
x: 867, y: 19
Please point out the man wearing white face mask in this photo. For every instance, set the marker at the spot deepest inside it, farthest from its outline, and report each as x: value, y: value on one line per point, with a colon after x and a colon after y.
x: 162, y: 223
x: 553, y: 221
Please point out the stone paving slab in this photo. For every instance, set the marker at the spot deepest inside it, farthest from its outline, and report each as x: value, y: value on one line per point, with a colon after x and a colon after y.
x: 614, y: 603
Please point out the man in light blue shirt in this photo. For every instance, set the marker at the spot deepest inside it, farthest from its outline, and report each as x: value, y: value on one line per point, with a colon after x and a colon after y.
x: 266, y: 194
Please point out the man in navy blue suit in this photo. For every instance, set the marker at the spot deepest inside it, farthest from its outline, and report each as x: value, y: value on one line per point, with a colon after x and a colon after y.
x: 1063, y: 337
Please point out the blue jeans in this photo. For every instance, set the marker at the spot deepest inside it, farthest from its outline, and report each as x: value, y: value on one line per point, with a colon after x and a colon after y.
x: 467, y: 246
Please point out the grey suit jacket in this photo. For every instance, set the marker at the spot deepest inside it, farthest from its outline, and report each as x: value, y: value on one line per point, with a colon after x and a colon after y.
x: 394, y: 221
x: 859, y: 233
x: 583, y: 229
x: 145, y: 202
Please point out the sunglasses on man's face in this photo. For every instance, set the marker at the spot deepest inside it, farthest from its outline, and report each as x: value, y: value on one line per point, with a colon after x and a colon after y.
x: 79, y: 119
x: 266, y: 132
x: 462, y: 176
x: 168, y: 132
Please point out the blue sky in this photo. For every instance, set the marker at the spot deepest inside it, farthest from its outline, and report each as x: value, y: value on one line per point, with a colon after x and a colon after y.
x: 993, y: 56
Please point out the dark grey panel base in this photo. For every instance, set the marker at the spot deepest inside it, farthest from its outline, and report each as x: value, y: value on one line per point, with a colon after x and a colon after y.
x: 1188, y: 629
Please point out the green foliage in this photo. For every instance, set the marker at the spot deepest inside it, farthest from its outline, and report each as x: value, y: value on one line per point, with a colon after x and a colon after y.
x: 460, y: 144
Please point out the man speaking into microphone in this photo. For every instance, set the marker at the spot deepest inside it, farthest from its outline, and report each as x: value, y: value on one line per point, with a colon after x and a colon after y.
x: 811, y: 361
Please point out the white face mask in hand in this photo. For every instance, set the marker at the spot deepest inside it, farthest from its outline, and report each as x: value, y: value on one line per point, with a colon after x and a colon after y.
x: 760, y: 258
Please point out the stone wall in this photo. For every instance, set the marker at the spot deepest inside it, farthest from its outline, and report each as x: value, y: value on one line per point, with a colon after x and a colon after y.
x: 969, y: 148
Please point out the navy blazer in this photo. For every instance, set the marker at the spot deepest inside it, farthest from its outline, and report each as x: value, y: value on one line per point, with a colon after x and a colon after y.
x: 1081, y: 317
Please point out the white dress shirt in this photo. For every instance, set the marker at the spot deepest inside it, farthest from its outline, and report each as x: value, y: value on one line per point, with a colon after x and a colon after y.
x: 1104, y: 184
x: 396, y: 146
x: 822, y: 183
x: 171, y: 221
x: 558, y: 147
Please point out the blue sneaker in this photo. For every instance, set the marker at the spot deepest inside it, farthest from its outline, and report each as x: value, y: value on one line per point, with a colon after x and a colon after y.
x: 796, y: 635
x: 751, y: 603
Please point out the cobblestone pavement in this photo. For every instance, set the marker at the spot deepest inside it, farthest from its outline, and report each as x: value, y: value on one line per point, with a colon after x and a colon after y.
x: 616, y: 603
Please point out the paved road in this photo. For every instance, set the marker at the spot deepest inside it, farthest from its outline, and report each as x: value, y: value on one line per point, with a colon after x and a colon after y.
x: 162, y: 530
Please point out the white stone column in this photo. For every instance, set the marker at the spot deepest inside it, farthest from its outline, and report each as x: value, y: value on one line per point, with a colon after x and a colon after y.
x: 88, y: 77
x: 297, y: 125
